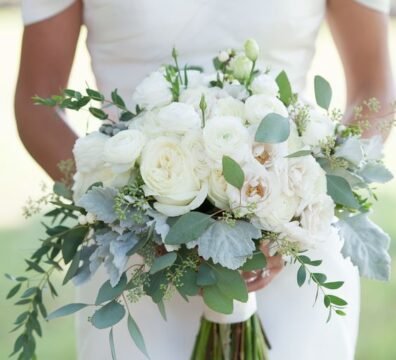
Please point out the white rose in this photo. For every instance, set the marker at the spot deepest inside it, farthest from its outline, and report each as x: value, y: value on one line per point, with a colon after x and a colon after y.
x: 257, y: 107
x: 178, y: 118
x: 193, y: 141
x: 317, y: 128
x: 229, y: 107
x: 318, y: 216
x: 193, y: 97
x: 88, y: 151
x: 168, y: 175
x: 123, y: 149
x: 218, y: 190
x: 225, y: 135
x: 306, y: 179
x: 265, y: 85
x: 152, y: 92
x: 241, y: 67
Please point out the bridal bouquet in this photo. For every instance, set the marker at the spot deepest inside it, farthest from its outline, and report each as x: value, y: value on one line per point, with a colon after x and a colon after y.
x: 179, y: 192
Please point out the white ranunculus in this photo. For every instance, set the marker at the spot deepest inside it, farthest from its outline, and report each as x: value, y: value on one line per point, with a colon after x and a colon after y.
x: 264, y: 85
x: 193, y: 141
x: 154, y: 91
x: 306, y: 179
x: 241, y: 67
x: 225, y: 135
x: 178, y: 118
x: 168, y: 175
x: 88, y: 151
x: 123, y: 149
x: 229, y: 107
x: 318, y: 127
x: 218, y: 190
x: 192, y: 96
x: 257, y: 107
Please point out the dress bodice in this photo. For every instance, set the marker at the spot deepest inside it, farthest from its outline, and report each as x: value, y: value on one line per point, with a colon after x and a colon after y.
x: 127, y: 39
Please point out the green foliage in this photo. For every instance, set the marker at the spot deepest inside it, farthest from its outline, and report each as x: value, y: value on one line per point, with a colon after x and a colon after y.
x: 323, y: 92
x: 299, y: 154
x: 206, y: 275
x: 72, y: 239
x: 108, y: 315
x: 163, y: 262
x: 112, y: 346
x: 341, y: 192
x: 285, y: 90
x: 256, y: 262
x: 66, y: 310
x: 117, y: 100
x: 137, y: 336
x: 233, y: 172
x: 108, y: 292
x: 273, y: 129
x: 188, y: 228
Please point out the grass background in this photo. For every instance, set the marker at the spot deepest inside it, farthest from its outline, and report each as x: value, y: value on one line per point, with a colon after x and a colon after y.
x: 20, y: 178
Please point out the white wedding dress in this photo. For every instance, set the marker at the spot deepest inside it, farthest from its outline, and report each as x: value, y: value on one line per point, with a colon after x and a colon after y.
x: 128, y: 39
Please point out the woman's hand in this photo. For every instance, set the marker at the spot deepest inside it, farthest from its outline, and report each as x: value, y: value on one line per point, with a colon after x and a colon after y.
x: 256, y: 280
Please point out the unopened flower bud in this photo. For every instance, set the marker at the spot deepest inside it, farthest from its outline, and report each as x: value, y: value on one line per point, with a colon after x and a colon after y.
x: 252, y: 49
x: 223, y: 56
x: 82, y: 220
x: 91, y: 218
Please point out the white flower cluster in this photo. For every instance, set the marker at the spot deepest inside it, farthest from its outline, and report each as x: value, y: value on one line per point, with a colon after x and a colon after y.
x: 178, y: 147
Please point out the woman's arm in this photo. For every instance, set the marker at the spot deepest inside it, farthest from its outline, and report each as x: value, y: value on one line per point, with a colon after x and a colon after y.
x: 361, y: 36
x: 48, y: 49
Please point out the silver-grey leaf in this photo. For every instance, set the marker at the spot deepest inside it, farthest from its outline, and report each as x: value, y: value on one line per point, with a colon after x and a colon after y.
x: 367, y: 245
x: 228, y: 245
x: 351, y: 150
x: 100, y: 202
x: 375, y: 172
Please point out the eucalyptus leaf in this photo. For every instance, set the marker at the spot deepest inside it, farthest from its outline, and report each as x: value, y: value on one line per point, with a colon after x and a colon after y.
x: 100, y: 202
x: 366, y: 245
x: 112, y: 346
x: 273, y: 129
x: 108, y: 315
x: 323, y: 92
x: 216, y: 300
x: 137, y: 336
x: 163, y: 262
x: 232, y: 172
x: 256, y: 262
x: 189, y: 285
x: 61, y: 190
x: 299, y: 153
x: 66, y: 310
x: 188, y: 228
x: 231, y: 283
x: 301, y: 275
x: 108, y: 292
x: 341, y: 192
x: 228, y: 245
x: 206, y: 275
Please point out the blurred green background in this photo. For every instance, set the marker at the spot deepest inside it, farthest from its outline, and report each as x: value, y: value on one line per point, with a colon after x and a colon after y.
x: 20, y: 178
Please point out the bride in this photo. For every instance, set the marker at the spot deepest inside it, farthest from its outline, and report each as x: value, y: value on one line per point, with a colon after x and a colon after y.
x: 127, y: 39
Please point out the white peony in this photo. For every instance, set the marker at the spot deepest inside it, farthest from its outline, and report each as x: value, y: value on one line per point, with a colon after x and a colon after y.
x: 318, y: 127
x: 193, y: 141
x: 217, y: 193
x: 88, y: 151
x: 225, y: 135
x: 257, y: 107
x: 123, y: 149
x: 178, y: 118
x: 152, y: 92
x: 229, y: 107
x: 264, y: 85
x: 168, y: 175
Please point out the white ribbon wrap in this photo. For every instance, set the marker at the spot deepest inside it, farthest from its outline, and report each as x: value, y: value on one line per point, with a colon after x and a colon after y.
x: 242, y: 312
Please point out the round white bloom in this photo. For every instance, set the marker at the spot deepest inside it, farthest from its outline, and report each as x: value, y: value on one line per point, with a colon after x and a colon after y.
x: 152, y: 92
x: 193, y: 141
x: 293, y: 232
x: 193, y: 97
x: 168, y: 175
x: 252, y: 49
x: 225, y: 135
x: 229, y: 107
x: 236, y: 90
x: 257, y: 107
x: 294, y: 142
x: 223, y: 56
x: 265, y: 85
x: 91, y: 218
x: 306, y: 179
x: 241, y: 67
x: 88, y: 151
x: 218, y: 190
x: 82, y: 220
x: 178, y: 118
x: 123, y: 149
x: 318, y: 127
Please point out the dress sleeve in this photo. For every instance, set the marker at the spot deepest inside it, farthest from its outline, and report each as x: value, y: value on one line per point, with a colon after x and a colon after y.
x: 37, y: 10
x: 379, y: 5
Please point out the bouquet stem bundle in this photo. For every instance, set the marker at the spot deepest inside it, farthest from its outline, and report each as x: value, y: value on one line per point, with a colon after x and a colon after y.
x: 239, y: 341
